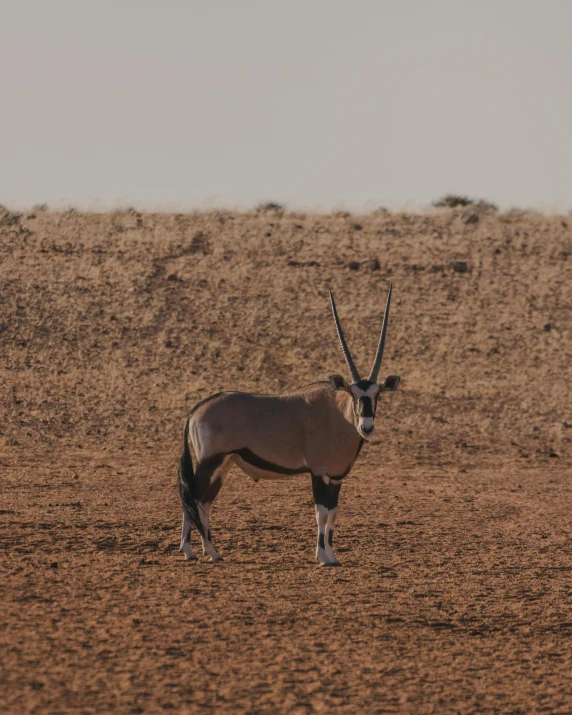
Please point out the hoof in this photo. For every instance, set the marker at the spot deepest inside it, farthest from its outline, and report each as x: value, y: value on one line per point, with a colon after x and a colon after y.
x: 215, y: 559
x: 329, y: 563
x: 186, y: 550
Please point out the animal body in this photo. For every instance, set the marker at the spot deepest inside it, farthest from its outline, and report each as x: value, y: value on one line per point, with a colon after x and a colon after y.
x: 317, y: 430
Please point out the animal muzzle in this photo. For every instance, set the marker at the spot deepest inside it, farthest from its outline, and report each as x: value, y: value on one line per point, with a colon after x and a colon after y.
x: 365, y: 416
x: 366, y: 427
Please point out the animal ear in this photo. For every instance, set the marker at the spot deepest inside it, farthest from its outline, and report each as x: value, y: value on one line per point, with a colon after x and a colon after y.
x: 391, y: 383
x: 338, y: 383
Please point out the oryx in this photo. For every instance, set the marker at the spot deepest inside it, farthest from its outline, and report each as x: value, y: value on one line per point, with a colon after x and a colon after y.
x: 318, y: 429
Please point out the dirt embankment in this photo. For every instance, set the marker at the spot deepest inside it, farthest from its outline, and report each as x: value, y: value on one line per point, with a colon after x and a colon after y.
x: 113, y: 325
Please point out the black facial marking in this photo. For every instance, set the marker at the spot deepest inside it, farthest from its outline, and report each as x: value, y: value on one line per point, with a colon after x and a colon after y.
x: 331, y: 537
x: 257, y: 461
x: 325, y: 494
x: 321, y: 542
x: 365, y: 408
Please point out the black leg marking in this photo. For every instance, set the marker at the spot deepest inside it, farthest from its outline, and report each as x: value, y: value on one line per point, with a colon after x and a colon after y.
x: 325, y: 494
x: 331, y: 537
x: 321, y: 542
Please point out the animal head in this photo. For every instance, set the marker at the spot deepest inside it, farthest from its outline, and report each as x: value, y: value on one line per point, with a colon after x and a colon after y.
x: 364, y: 393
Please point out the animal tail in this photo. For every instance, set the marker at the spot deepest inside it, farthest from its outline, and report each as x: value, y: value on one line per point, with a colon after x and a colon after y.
x: 187, y: 485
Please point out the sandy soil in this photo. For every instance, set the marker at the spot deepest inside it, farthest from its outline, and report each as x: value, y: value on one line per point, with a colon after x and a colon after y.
x: 456, y: 580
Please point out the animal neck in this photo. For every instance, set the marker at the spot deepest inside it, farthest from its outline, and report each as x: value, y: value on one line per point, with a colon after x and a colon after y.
x: 346, y: 405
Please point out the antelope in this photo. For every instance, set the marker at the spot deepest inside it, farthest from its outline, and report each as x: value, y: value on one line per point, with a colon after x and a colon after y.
x: 318, y: 429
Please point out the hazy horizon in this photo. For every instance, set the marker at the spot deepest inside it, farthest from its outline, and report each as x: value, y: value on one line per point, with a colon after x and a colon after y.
x: 318, y: 106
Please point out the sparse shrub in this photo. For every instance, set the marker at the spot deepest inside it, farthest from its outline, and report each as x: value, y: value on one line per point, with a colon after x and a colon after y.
x: 8, y: 218
x: 270, y: 207
x: 452, y: 201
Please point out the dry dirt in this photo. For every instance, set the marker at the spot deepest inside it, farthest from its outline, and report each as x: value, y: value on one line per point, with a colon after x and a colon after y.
x: 454, y: 594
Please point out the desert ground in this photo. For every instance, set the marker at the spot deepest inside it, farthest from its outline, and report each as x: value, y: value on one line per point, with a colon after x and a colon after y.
x: 455, y: 589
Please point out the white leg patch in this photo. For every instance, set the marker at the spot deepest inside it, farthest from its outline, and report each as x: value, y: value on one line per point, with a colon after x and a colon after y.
x: 208, y: 548
x: 330, y: 553
x: 186, y: 539
x: 322, y: 520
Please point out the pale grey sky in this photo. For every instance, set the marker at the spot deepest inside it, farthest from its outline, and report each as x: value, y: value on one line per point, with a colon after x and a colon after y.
x: 316, y: 103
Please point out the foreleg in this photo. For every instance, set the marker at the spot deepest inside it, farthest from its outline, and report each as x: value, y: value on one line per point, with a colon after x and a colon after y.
x: 326, y: 494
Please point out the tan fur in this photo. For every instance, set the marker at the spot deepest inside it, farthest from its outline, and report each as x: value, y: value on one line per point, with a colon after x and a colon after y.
x: 310, y: 429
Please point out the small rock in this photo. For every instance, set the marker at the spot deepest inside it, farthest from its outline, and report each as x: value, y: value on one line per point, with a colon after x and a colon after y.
x: 75, y: 476
x: 548, y: 327
x: 353, y: 266
x: 54, y: 565
x: 173, y: 277
x: 460, y: 266
x: 375, y: 264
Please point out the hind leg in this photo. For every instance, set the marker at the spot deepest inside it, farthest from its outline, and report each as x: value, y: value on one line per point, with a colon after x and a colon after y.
x: 209, y: 478
x: 186, y: 539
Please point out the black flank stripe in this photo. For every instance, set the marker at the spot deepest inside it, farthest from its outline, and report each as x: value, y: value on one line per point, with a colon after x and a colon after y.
x: 260, y: 463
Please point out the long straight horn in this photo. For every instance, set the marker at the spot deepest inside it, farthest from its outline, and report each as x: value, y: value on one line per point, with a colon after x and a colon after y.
x: 377, y: 363
x: 347, y: 355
